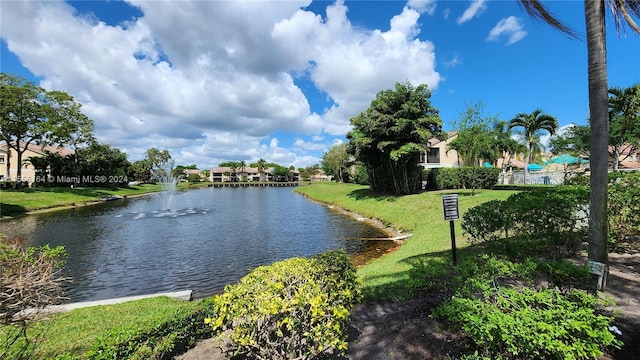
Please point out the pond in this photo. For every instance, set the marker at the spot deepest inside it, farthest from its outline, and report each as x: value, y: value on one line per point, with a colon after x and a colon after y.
x: 214, y: 237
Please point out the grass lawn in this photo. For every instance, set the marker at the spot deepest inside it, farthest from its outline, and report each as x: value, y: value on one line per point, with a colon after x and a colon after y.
x: 16, y: 202
x: 420, y: 215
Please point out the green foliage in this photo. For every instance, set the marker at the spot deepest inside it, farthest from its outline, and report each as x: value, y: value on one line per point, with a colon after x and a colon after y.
x: 296, y: 308
x: 361, y: 176
x: 390, y: 135
x: 462, y: 178
x: 162, y: 341
x: 551, y: 213
x: 624, y: 208
x: 499, y: 306
x: 336, y: 162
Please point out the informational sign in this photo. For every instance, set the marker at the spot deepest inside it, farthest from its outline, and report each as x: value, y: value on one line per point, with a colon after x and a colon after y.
x: 450, y: 207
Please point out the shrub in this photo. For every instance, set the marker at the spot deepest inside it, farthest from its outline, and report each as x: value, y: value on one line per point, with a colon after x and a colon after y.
x: 624, y: 207
x: 461, y: 178
x: 296, y: 308
x: 549, y: 213
x: 30, y: 280
x: 507, y: 315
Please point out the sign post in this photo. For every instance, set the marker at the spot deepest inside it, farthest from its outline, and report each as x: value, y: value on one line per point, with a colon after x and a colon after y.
x: 451, y: 212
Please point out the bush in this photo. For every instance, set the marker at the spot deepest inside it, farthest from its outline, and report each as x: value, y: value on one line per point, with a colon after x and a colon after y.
x: 30, y: 280
x: 461, y: 178
x: 624, y: 207
x: 507, y: 315
x: 296, y: 308
x: 551, y: 213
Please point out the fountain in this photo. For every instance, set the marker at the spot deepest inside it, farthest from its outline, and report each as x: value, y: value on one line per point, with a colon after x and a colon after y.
x: 168, y: 183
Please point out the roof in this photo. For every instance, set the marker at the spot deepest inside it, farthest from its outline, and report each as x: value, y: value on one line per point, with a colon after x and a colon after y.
x: 42, y: 149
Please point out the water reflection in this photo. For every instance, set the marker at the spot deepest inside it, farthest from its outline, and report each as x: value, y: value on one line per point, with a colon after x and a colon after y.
x: 131, y: 247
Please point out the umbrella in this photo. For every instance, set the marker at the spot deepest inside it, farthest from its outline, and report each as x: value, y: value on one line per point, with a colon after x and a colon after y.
x: 486, y: 164
x: 534, y: 167
x: 565, y: 159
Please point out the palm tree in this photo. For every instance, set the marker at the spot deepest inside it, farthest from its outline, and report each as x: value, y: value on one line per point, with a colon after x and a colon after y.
x: 242, y: 166
x: 261, y: 164
x: 534, y: 124
x: 624, y: 119
x: 622, y: 11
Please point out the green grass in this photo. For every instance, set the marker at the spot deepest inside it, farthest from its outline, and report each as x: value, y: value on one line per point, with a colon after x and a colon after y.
x: 16, y: 202
x: 75, y: 333
x: 420, y: 215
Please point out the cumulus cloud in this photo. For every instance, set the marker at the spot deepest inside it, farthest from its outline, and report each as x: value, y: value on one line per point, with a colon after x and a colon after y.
x: 216, y: 79
x: 510, y: 27
x: 476, y: 8
x: 423, y: 6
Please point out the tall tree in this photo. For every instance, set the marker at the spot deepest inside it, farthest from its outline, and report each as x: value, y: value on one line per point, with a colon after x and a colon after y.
x: 336, y: 161
x: 624, y: 120
x: 594, y: 10
x: 31, y: 115
x: 475, y: 141
x: 533, y: 125
x: 390, y: 135
x: 161, y: 163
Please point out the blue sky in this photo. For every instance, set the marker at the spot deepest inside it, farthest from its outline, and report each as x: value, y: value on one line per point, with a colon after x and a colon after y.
x: 230, y: 80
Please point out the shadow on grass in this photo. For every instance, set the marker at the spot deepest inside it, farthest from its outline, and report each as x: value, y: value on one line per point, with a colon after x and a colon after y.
x: 11, y: 210
x: 362, y: 194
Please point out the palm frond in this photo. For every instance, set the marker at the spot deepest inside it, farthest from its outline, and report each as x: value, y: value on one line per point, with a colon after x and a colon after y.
x: 539, y: 12
x: 625, y: 9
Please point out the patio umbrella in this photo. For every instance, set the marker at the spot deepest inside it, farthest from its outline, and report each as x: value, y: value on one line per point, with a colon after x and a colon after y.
x: 486, y: 164
x: 534, y: 167
x: 565, y: 159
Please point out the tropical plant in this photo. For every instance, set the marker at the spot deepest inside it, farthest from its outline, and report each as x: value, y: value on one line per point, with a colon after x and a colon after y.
x: 622, y: 11
x: 624, y: 121
x: 390, y: 135
x: 533, y: 125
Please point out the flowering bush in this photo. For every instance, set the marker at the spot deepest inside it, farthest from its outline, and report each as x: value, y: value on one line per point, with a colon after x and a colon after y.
x: 297, y: 308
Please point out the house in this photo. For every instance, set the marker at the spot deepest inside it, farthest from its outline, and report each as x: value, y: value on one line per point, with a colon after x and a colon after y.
x: 9, y: 161
x: 438, y: 155
x: 226, y: 174
x: 321, y: 176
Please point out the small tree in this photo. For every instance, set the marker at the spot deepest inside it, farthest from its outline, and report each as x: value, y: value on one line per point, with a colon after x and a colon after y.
x: 30, y: 280
x: 336, y: 161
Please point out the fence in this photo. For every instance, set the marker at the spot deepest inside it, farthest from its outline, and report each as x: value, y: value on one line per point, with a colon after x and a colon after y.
x: 534, y: 177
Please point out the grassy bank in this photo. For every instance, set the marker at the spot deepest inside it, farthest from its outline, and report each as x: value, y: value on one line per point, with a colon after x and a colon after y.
x: 17, y: 202
x: 420, y: 215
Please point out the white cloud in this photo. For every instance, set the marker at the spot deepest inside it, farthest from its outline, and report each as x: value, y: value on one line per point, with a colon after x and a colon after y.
x: 445, y: 13
x: 455, y: 61
x: 476, y: 8
x: 213, y: 80
x: 423, y: 6
x: 510, y: 27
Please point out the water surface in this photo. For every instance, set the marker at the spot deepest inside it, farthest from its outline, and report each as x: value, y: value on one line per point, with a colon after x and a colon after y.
x: 209, y: 238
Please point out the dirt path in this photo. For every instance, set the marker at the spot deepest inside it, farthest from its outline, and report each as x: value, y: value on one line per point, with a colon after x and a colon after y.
x: 405, y: 331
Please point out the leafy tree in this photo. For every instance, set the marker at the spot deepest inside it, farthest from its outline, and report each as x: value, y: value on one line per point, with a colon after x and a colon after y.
x: 533, y: 125
x: 141, y: 170
x: 280, y: 172
x: 475, y: 140
x: 103, y: 160
x: 307, y: 172
x: 390, y: 135
x: 624, y: 120
x: 622, y: 11
x: 31, y: 115
x: 161, y: 163
x: 336, y: 161
x: 574, y: 140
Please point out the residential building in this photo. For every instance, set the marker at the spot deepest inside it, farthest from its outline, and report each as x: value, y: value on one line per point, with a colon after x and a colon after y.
x: 438, y: 155
x: 227, y: 174
x: 9, y: 161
